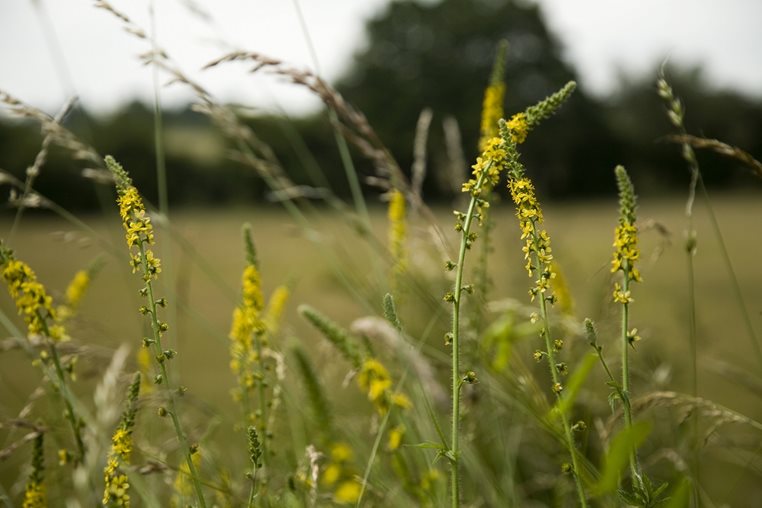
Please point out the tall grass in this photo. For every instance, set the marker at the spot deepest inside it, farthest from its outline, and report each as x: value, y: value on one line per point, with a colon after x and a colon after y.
x: 344, y: 412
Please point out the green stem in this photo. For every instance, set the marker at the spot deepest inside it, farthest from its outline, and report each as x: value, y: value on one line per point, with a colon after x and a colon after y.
x: 64, y: 388
x: 253, y: 489
x: 161, y: 360
x: 692, y: 335
x: 261, y: 396
x: 555, y: 376
x: 626, y: 407
x: 556, y: 379
x: 456, y: 378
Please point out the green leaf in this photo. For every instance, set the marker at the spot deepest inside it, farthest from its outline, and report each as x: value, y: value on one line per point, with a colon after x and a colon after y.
x: 618, y: 456
x: 680, y: 496
x: 574, y: 384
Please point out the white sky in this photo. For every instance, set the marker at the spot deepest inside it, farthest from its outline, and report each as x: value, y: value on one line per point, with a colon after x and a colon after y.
x: 602, y: 38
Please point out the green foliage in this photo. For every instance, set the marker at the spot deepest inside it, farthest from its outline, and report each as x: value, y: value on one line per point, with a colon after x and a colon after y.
x: 616, y: 459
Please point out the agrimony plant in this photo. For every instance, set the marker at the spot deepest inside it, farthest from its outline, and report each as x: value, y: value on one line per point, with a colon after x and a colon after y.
x: 140, y: 237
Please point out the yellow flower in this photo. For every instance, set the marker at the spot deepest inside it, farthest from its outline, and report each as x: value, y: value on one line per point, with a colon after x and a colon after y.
x: 375, y: 381
x: 518, y: 127
x: 488, y: 166
x: 536, y: 240
x: 330, y: 475
x: 252, y: 288
x: 347, y: 492
x: 401, y: 401
x: 34, y: 491
x: 621, y: 296
x: 395, y: 437
x: 341, y: 452
x: 35, y: 495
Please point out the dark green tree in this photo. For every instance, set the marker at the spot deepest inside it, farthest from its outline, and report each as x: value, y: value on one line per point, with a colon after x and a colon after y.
x: 439, y: 55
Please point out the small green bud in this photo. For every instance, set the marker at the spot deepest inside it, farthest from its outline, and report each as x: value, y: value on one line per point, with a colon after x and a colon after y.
x: 580, y: 426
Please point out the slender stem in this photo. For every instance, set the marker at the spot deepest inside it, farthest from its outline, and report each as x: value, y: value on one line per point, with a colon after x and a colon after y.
x: 64, y: 388
x: 692, y: 334
x: 261, y: 396
x: 161, y: 167
x: 159, y: 353
x: 556, y: 379
x: 626, y: 408
x: 253, y: 489
x: 456, y: 378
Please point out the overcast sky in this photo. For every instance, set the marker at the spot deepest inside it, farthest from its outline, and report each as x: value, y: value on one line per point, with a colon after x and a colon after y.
x: 51, y: 49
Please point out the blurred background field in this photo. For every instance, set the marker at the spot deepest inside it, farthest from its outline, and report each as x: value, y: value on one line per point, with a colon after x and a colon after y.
x: 205, y: 277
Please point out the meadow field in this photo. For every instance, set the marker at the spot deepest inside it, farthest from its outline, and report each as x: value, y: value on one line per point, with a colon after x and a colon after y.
x: 329, y: 267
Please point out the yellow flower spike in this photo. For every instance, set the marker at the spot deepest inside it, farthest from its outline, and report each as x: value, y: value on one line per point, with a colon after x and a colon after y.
x: 490, y: 164
x: 492, y: 111
x: 35, y: 495
x: 494, y: 96
x: 626, y: 251
x: 31, y: 298
x: 116, y: 482
x: 341, y: 452
x: 275, y: 308
x: 397, y: 233
x: 144, y: 360
x: 77, y: 288
x: 182, y: 485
